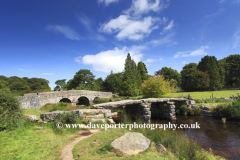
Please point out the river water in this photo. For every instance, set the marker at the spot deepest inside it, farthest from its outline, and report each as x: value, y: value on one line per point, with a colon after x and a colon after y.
x: 223, y: 139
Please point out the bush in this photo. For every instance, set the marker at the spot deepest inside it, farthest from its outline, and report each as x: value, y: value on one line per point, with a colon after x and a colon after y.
x: 229, y: 111
x: 10, y: 112
x: 195, y: 111
x: 157, y: 87
x: 100, y: 100
x: 184, y: 110
x: 67, y: 117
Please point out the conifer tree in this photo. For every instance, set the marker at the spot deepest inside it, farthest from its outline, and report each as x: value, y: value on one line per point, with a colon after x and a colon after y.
x: 142, y: 70
x: 131, y: 84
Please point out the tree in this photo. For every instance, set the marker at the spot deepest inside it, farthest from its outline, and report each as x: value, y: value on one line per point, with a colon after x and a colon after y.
x: 10, y: 112
x: 18, y: 85
x: 169, y: 74
x: 113, y: 82
x: 131, y: 85
x: 232, y: 68
x: 157, y: 87
x: 97, y: 84
x: 142, y: 70
x: 61, y: 83
x: 84, y: 77
x: 185, y: 73
x: 209, y: 64
x: 198, y: 80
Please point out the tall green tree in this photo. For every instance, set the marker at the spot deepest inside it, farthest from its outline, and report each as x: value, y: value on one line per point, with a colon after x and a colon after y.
x: 131, y: 85
x: 83, y: 77
x: 209, y: 64
x: 113, y: 82
x: 61, y: 83
x: 142, y: 70
x: 169, y: 73
x: 185, y: 73
x: 198, y: 81
x: 232, y: 70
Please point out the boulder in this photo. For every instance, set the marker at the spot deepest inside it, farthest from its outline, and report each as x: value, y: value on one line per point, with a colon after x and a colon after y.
x: 51, y: 116
x: 114, y: 113
x: 107, y: 113
x: 112, y: 121
x: 161, y: 148
x: 79, y: 113
x: 131, y: 143
x: 206, y: 108
x: 31, y: 117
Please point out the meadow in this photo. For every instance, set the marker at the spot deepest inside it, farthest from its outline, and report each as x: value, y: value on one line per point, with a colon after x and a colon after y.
x: 207, y: 94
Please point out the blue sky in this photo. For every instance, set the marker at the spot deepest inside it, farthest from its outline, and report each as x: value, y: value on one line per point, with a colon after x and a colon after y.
x: 53, y: 39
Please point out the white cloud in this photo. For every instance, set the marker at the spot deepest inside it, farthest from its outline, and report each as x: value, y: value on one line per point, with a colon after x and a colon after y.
x: 184, y: 62
x: 50, y: 74
x: 78, y: 59
x: 65, y: 30
x: 139, y: 7
x: 128, y: 28
x: 131, y: 25
x: 87, y: 22
x: 161, y: 59
x: 164, y: 40
x: 168, y: 27
x: 236, y: 37
x: 107, y: 2
x: 110, y: 60
x: 150, y: 60
x: 198, y: 52
x: 21, y: 69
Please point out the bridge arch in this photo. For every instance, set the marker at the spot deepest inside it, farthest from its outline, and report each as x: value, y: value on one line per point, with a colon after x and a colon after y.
x: 65, y: 100
x: 83, y: 101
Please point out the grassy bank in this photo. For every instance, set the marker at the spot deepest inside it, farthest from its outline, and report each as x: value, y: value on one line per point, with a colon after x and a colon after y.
x: 178, y: 147
x: 26, y: 142
x: 207, y: 94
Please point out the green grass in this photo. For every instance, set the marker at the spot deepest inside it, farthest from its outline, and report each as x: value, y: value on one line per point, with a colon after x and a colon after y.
x: 33, y: 111
x: 99, y: 147
x: 206, y: 94
x: 29, y: 143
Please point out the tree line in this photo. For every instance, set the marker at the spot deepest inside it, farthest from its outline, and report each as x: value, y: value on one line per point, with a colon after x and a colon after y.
x: 20, y: 86
x: 208, y: 74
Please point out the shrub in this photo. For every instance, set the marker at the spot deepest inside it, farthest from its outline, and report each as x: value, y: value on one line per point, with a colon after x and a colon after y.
x: 157, y: 87
x: 10, y: 112
x: 195, y: 111
x: 184, y: 110
x: 67, y: 117
x: 230, y: 111
x: 100, y: 100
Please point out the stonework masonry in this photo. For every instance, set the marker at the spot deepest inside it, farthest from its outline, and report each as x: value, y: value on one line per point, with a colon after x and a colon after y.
x: 36, y: 100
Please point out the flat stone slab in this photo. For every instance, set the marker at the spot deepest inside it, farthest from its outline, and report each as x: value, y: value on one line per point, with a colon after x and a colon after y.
x: 31, y: 117
x: 132, y: 102
x: 51, y: 116
x: 131, y: 143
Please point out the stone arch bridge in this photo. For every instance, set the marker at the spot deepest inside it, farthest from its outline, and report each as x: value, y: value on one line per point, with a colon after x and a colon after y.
x: 76, y: 97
